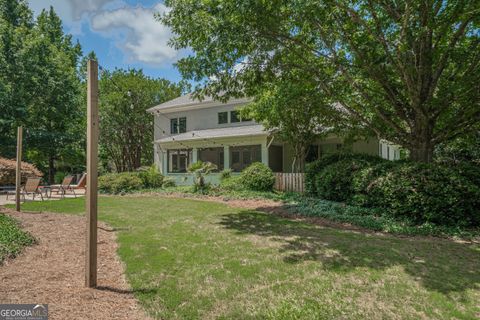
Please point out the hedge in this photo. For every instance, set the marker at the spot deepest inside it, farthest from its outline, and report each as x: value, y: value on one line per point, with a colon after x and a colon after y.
x: 257, y: 177
x: 419, y: 192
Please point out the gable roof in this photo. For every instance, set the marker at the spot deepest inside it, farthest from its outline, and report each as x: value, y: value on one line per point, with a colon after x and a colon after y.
x: 187, y: 101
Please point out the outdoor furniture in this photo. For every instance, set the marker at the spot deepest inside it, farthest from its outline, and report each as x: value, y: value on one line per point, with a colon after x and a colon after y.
x: 32, y: 186
x: 81, y: 184
x: 65, y: 186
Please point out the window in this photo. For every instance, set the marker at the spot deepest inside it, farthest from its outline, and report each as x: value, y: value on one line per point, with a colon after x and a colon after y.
x: 174, y: 125
x: 182, y: 125
x: 234, y: 116
x: 242, y: 157
x: 213, y: 155
x: 178, y: 160
x: 178, y: 125
x: 222, y: 117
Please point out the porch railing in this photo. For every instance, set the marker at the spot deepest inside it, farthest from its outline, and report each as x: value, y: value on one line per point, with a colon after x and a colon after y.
x: 290, y: 182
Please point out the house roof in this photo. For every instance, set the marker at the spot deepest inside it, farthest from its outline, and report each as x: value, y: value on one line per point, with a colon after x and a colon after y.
x: 240, y: 131
x: 187, y: 100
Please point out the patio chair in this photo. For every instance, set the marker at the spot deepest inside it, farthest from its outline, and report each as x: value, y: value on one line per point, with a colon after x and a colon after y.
x: 81, y: 184
x: 32, y: 186
x: 65, y: 186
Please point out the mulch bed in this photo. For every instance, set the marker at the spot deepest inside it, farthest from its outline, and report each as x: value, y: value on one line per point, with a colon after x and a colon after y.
x: 53, y: 271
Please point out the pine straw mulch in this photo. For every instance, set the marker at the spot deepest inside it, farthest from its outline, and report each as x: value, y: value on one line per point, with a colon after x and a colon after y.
x: 52, y: 271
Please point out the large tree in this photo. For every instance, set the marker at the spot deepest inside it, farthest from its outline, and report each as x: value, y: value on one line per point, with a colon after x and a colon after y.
x: 16, y: 24
x: 126, y: 127
x: 408, y: 70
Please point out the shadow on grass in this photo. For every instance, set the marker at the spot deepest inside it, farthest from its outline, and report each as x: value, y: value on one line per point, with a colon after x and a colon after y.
x: 437, y: 264
x: 126, y: 291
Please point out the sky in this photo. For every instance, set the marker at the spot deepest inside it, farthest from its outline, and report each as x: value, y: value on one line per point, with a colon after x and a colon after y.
x: 123, y: 33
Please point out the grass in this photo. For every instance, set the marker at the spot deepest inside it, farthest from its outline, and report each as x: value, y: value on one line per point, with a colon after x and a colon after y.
x: 190, y: 259
x: 368, y: 218
x: 12, y: 238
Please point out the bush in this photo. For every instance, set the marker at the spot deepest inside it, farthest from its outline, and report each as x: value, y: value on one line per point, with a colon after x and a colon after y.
x: 469, y: 170
x: 120, y: 182
x: 335, y: 181
x: 314, y: 168
x: 225, y: 174
x: 426, y: 193
x: 168, y: 183
x: 257, y: 177
x: 8, y: 171
x: 151, y: 177
x: 232, y: 183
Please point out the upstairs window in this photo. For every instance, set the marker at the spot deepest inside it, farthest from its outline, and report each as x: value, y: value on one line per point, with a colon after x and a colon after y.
x: 178, y: 125
x: 222, y: 117
x: 234, y: 116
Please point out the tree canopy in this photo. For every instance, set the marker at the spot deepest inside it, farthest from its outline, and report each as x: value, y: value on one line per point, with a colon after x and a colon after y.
x: 126, y: 127
x: 407, y: 70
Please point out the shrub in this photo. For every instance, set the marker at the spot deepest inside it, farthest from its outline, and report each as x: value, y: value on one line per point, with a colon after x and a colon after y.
x: 168, y: 183
x: 232, y: 183
x: 225, y: 174
x: 8, y: 169
x: 257, y: 177
x: 120, y: 182
x: 151, y: 177
x: 426, y: 193
x: 313, y: 168
x: 200, y: 169
x: 335, y: 181
x: 469, y: 170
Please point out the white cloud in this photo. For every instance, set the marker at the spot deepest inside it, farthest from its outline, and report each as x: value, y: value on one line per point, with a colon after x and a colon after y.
x: 138, y: 33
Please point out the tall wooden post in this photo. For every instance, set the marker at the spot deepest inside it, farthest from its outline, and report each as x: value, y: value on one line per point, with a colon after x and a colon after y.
x: 18, y: 177
x: 92, y: 174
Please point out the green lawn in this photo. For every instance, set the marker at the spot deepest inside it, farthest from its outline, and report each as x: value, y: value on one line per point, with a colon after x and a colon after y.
x: 190, y: 259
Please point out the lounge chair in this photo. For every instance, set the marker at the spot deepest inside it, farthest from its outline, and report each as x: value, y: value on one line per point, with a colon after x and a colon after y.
x: 65, y: 186
x: 81, y: 184
x: 32, y: 186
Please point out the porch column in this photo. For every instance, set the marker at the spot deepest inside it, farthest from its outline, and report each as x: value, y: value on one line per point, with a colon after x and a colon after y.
x: 164, y: 162
x: 265, y: 153
x: 226, y: 157
x: 194, y: 155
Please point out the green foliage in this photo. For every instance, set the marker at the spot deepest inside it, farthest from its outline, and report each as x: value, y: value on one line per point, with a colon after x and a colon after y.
x: 314, y: 168
x: 116, y: 183
x: 233, y: 183
x: 168, y: 182
x: 470, y: 171
x: 127, y: 130
x: 257, y: 177
x: 408, y: 71
x: 426, y: 193
x: 225, y: 174
x: 151, y: 177
x: 12, y: 238
x: 335, y: 181
x: 59, y: 175
x: 200, y: 169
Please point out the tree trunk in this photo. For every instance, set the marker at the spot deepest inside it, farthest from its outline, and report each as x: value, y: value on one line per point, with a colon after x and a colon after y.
x: 51, y: 169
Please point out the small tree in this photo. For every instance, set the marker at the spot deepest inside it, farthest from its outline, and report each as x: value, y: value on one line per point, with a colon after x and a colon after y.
x: 200, y: 169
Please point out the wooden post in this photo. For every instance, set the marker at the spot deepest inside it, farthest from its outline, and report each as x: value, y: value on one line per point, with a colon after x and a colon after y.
x: 92, y: 174
x: 18, y: 177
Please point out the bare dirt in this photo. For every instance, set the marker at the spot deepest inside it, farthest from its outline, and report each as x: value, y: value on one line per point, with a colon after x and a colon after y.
x: 53, y: 271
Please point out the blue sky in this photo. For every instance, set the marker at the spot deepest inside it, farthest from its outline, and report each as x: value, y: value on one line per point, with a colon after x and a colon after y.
x: 123, y: 33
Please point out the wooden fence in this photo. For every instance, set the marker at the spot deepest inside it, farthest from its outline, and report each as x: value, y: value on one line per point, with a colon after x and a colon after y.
x: 290, y: 182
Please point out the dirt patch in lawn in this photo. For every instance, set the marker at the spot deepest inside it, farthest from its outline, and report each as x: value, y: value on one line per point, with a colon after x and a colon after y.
x: 52, y: 271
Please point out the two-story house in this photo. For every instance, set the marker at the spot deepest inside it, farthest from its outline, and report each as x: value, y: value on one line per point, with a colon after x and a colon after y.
x: 188, y: 130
